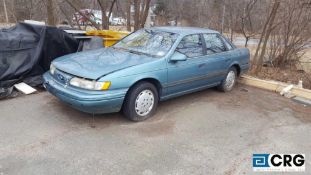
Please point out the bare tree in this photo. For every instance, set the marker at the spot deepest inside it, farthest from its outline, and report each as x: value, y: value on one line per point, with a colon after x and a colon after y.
x: 141, y: 10
x: 267, y: 30
x: 105, y: 19
x: 247, y: 22
x: 292, y: 34
x: 163, y: 12
x: 67, y: 14
x: 106, y: 14
x: 144, y: 12
x: 76, y: 6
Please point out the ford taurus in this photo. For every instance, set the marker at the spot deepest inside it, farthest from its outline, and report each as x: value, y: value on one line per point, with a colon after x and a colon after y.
x: 147, y: 66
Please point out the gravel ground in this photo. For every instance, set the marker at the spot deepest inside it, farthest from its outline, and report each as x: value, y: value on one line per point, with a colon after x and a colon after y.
x: 208, y: 132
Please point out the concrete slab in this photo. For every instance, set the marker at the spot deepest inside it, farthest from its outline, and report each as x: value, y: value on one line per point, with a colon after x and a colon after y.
x: 208, y: 132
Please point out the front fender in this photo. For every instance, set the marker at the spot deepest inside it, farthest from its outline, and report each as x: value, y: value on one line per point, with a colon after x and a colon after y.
x: 127, y: 77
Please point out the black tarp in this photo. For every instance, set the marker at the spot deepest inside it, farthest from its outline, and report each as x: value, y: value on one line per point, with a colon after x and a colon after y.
x: 27, y: 50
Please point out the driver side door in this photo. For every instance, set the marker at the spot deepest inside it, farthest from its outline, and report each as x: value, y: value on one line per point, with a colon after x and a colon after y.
x: 189, y: 75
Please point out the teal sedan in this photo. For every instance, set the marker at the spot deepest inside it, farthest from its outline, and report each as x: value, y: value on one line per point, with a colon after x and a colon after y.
x: 147, y: 66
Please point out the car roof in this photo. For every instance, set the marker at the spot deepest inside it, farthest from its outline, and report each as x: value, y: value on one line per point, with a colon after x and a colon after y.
x: 184, y: 30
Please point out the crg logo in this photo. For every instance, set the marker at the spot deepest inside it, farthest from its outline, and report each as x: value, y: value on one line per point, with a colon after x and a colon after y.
x: 279, y: 162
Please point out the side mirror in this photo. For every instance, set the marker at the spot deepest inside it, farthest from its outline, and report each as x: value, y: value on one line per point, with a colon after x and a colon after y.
x: 178, y: 57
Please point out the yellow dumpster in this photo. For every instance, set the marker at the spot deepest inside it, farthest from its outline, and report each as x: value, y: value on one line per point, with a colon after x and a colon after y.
x: 109, y: 36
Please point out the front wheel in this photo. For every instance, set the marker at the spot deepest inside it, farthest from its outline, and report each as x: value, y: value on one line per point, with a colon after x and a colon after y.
x: 228, y: 83
x: 141, y: 101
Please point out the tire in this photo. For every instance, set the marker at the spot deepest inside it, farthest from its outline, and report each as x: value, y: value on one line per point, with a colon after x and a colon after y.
x: 141, y: 102
x: 228, y: 83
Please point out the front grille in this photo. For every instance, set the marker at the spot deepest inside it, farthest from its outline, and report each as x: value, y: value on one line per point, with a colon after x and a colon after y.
x: 62, y: 77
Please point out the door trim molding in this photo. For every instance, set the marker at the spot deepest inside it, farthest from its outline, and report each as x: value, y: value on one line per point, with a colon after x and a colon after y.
x: 189, y: 80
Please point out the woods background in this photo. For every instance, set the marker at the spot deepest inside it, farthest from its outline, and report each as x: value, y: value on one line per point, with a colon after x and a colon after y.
x: 279, y: 30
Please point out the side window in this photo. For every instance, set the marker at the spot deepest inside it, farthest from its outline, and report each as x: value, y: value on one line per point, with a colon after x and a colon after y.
x: 213, y: 44
x: 191, y: 46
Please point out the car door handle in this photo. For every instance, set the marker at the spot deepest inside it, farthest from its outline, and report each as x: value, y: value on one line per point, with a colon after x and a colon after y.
x: 227, y: 60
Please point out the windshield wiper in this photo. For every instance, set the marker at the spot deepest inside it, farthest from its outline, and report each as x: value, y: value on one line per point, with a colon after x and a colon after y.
x: 135, y: 52
x: 120, y: 48
x: 149, y: 31
x: 139, y: 53
x: 132, y: 51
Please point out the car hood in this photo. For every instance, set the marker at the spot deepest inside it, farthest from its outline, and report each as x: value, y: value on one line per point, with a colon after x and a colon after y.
x: 97, y: 63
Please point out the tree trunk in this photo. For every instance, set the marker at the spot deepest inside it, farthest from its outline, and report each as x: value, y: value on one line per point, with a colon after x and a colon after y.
x: 223, y: 18
x: 231, y: 34
x: 5, y: 12
x: 145, y: 14
x: 246, y: 40
x: 105, y: 19
x: 110, y: 10
x: 176, y: 21
x: 50, y: 12
x: 141, y: 8
x: 267, y: 34
x: 263, y: 33
x: 128, y: 16
x: 136, y: 15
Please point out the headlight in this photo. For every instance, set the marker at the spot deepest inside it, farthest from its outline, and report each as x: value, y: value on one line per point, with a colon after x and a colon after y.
x: 88, y: 84
x: 52, y: 69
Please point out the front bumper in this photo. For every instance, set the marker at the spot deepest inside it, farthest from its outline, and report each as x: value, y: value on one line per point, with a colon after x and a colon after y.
x: 95, y: 102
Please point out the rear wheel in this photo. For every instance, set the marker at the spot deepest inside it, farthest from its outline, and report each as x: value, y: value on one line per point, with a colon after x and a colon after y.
x: 141, y: 101
x: 228, y: 83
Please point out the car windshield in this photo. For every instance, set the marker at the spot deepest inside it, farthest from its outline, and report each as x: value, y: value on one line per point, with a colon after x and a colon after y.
x: 148, y: 42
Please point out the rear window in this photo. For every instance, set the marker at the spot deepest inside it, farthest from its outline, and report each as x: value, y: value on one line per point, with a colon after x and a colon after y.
x: 228, y: 44
x: 213, y: 44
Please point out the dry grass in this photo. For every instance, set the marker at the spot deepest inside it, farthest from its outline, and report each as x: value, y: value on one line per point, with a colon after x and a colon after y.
x: 305, y: 61
x: 284, y: 75
x: 287, y: 75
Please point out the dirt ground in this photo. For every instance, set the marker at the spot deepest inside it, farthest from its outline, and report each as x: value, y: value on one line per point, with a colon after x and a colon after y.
x: 207, y: 132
